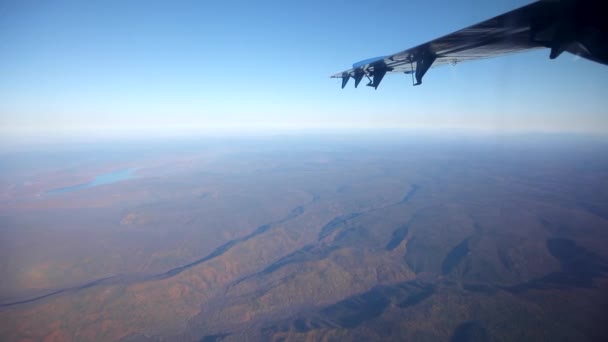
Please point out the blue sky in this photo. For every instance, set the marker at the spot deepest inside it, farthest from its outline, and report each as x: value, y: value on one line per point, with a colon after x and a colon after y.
x: 101, y: 66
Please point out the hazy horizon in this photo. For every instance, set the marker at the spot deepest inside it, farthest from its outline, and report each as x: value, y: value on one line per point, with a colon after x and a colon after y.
x: 41, y: 138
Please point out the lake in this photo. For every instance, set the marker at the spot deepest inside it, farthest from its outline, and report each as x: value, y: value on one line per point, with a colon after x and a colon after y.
x: 103, y: 179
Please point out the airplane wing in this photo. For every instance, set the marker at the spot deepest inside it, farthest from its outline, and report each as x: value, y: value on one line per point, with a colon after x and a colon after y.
x: 576, y: 26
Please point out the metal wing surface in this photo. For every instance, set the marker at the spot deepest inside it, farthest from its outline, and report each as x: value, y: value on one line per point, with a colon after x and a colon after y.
x: 559, y: 25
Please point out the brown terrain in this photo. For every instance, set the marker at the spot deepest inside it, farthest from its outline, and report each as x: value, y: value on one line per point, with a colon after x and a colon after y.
x: 302, y: 239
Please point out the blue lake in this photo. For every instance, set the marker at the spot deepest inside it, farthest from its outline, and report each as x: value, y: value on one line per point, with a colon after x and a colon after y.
x: 103, y: 179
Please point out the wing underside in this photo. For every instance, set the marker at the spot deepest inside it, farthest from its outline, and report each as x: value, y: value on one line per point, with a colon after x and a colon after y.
x: 540, y: 24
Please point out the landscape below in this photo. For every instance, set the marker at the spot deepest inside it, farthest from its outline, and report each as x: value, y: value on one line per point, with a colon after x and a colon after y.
x: 294, y: 238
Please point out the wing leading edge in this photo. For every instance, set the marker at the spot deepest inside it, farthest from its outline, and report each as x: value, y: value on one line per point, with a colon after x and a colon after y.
x: 577, y: 26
